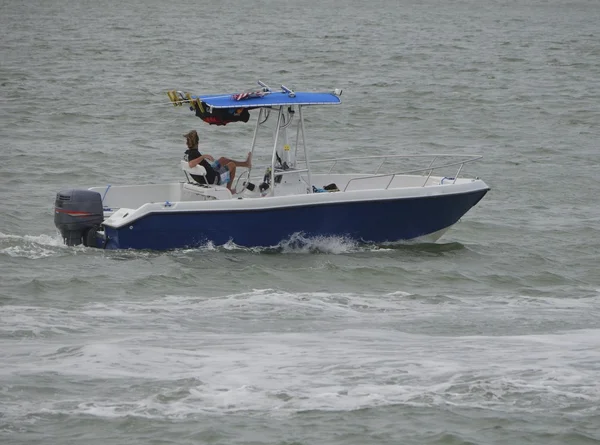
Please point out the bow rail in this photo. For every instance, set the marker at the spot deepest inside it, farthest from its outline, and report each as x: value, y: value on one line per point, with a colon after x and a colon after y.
x: 455, y: 160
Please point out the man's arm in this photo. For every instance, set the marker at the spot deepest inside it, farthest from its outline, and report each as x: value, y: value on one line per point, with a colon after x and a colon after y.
x: 195, y: 162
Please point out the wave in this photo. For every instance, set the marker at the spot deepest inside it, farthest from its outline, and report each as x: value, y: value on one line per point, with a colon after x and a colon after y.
x: 31, y: 246
x: 276, y: 310
x: 300, y: 243
x: 42, y: 246
x: 279, y: 353
x: 339, y: 371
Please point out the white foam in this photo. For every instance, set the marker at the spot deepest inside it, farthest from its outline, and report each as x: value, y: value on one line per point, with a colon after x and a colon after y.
x: 348, y: 352
x: 31, y: 246
x: 344, y: 370
x: 45, y: 240
x: 299, y: 243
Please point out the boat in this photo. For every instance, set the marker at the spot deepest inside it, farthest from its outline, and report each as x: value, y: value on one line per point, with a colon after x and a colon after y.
x: 291, y: 195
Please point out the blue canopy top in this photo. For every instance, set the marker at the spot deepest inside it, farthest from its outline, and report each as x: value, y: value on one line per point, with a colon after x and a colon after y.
x: 269, y: 99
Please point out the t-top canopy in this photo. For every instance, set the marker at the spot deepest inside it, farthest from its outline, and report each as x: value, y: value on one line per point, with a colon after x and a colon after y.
x: 220, y: 109
x: 268, y: 99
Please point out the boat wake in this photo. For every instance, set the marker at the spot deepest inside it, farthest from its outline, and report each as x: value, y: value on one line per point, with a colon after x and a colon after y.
x: 271, y: 353
x: 300, y: 243
x: 44, y: 246
x: 301, y: 372
x: 31, y: 246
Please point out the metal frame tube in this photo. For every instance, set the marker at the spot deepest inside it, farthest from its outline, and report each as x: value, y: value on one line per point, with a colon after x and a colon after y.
x: 260, y: 113
x: 274, y: 156
x: 296, y: 146
x: 306, y: 159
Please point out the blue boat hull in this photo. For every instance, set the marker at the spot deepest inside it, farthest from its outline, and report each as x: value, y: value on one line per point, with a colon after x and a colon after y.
x: 376, y: 221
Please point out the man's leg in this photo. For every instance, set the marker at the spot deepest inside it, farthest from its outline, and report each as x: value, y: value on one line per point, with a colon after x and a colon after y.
x: 247, y: 163
x: 231, y: 171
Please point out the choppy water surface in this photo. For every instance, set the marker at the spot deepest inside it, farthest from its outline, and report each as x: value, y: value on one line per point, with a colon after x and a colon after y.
x: 491, y: 336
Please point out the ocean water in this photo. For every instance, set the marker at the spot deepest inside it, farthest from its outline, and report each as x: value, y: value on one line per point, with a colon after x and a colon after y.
x: 490, y: 336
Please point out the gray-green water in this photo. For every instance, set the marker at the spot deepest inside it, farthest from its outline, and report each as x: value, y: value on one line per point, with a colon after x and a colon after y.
x: 491, y: 336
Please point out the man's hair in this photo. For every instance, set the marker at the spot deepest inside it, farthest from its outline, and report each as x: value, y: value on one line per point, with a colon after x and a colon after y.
x: 192, y: 139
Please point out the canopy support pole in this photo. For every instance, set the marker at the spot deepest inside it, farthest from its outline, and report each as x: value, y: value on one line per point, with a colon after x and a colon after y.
x: 305, y: 150
x: 260, y: 113
x: 274, y: 157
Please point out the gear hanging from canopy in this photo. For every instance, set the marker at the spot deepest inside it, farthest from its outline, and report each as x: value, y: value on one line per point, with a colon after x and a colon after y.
x: 212, y: 116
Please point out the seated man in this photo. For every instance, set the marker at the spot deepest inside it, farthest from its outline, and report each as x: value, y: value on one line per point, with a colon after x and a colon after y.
x: 219, y: 172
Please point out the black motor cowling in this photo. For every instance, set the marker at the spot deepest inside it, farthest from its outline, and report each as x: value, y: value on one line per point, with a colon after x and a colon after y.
x: 78, y: 214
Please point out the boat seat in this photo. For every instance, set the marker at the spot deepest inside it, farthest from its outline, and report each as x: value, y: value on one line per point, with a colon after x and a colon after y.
x: 198, y: 170
x: 199, y: 192
x: 193, y: 191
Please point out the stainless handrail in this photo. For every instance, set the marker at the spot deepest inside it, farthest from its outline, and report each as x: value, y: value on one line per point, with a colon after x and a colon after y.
x: 291, y: 170
x: 463, y: 159
x: 430, y: 168
x: 439, y: 155
x: 384, y: 158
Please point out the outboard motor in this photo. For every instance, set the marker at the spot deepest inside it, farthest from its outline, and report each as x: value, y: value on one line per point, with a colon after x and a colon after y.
x: 78, y: 214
